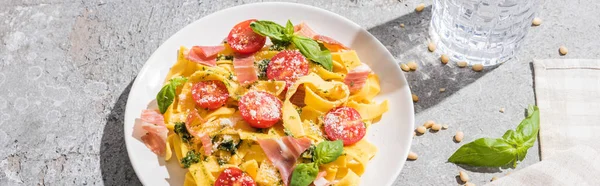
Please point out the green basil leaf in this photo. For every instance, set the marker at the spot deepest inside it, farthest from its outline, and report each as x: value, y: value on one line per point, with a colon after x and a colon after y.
x: 289, y: 29
x: 269, y: 29
x: 166, y: 95
x: 304, y: 174
x: 528, y: 129
x: 329, y: 151
x: 311, y: 50
x: 486, y: 152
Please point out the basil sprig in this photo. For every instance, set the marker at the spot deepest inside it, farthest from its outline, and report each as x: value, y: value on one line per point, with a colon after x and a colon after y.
x: 326, y: 152
x: 165, y: 96
x: 499, y: 152
x: 283, y: 36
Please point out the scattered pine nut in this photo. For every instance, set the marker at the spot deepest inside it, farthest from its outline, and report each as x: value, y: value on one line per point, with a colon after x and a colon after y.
x: 442, y: 89
x: 445, y: 126
x: 420, y: 7
x: 412, y: 65
x: 461, y: 64
x: 428, y: 123
x: 463, y: 176
x: 444, y: 58
x: 412, y: 156
x: 431, y: 47
x: 502, y: 110
x: 469, y: 184
x: 478, y: 67
x: 401, y: 25
x: 536, y: 21
x: 459, y: 136
x: 415, y: 98
x: 404, y: 67
x: 436, y: 127
x: 563, y: 50
x: 494, y: 178
x: 421, y: 129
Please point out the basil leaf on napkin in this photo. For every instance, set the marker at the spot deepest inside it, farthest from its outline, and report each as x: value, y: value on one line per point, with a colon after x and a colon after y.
x: 498, y: 152
x: 166, y: 95
x: 304, y: 174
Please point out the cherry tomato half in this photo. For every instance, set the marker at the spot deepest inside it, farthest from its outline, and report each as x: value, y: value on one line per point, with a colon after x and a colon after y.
x: 344, y: 123
x: 210, y: 94
x: 260, y: 109
x: 243, y: 40
x: 234, y: 177
x: 287, y: 66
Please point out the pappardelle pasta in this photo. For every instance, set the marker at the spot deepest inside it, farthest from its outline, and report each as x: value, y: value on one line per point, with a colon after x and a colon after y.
x: 294, y: 112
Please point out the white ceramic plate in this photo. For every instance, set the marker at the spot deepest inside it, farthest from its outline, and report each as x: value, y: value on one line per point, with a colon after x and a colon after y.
x: 392, y: 134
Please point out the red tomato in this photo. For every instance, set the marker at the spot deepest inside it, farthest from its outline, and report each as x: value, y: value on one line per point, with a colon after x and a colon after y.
x: 344, y: 123
x: 287, y: 66
x: 243, y: 40
x: 210, y: 94
x: 234, y: 177
x: 260, y: 109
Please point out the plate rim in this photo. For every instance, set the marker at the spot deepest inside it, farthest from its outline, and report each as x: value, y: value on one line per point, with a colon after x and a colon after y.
x: 145, y: 68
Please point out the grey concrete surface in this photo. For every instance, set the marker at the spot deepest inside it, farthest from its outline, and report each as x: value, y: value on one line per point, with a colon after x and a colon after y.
x: 66, y: 68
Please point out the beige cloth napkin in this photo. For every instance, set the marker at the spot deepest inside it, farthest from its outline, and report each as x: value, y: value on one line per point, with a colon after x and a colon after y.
x: 568, y: 96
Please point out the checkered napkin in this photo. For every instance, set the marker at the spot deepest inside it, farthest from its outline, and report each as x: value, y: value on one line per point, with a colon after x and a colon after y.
x: 568, y: 96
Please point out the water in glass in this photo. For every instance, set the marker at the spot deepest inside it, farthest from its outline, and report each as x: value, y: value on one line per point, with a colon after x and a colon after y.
x: 484, y: 32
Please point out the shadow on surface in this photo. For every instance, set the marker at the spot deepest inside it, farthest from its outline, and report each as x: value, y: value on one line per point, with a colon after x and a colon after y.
x: 410, y: 44
x: 114, y: 161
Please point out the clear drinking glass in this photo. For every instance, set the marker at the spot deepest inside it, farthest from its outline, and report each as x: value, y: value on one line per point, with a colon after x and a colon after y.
x: 484, y: 32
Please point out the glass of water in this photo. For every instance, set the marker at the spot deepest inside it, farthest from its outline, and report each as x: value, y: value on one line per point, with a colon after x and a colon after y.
x: 486, y: 32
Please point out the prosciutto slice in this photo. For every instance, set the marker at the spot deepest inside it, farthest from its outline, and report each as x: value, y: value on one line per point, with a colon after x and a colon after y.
x: 283, y: 153
x: 303, y: 29
x: 330, y: 43
x: 153, y: 124
x: 357, y: 77
x: 192, y: 117
x: 243, y: 66
x: 205, y: 55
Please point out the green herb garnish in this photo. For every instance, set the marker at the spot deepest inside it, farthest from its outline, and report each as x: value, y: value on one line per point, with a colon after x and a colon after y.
x: 166, y: 95
x: 282, y: 36
x: 190, y: 158
x: 262, y: 66
x: 324, y: 152
x: 182, y: 132
x: 499, y: 152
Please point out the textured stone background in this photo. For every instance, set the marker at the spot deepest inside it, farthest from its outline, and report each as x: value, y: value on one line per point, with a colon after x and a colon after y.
x: 66, y: 67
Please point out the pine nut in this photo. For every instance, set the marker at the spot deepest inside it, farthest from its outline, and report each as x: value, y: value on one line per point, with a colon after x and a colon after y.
x: 428, y: 123
x: 469, y: 184
x: 415, y: 98
x: 461, y: 64
x: 502, y: 110
x: 442, y: 89
x: 478, y: 67
x: 463, y: 176
x: 563, y: 50
x: 431, y: 47
x: 404, y: 67
x: 445, y: 126
x: 420, y: 7
x: 459, y: 136
x: 444, y: 58
x: 412, y: 65
x: 536, y: 21
x: 494, y: 178
x: 401, y: 25
x: 412, y: 156
x: 421, y: 129
x: 436, y: 127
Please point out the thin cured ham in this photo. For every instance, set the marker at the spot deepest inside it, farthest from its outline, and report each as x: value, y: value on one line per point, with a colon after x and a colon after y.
x: 244, y: 69
x: 330, y: 43
x: 303, y: 29
x: 283, y: 153
x: 153, y: 124
x: 357, y: 77
x: 205, y: 55
x: 192, y: 117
